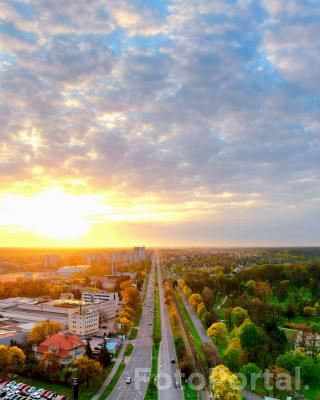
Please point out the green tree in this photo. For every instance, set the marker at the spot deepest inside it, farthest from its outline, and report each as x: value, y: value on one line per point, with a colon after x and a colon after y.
x: 252, y: 341
x: 238, y: 316
x: 88, y: 349
x: 104, y: 357
x: 231, y: 358
x: 297, y: 359
x: 249, y: 369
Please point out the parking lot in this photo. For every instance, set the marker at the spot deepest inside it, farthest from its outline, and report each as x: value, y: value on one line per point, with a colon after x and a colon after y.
x: 13, y: 390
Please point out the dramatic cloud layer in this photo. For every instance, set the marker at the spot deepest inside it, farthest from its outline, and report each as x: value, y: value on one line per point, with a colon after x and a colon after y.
x: 198, y: 121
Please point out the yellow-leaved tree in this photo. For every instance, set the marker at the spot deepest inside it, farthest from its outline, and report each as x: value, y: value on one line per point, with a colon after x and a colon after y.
x: 43, y: 330
x: 225, y: 384
x: 219, y: 333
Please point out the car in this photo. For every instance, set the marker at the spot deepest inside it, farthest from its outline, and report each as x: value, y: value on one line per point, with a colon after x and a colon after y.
x: 19, y: 385
x: 128, y: 380
x: 32, y: 389
x: 173, y: 361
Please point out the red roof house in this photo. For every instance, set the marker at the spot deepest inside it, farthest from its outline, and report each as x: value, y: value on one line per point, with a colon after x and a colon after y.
x: 66, y: 347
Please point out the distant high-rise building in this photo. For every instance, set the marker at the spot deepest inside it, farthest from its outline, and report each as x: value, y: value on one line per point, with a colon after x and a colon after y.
x: 94, y: 258
x: 51, y: 260
x: 139, y: 253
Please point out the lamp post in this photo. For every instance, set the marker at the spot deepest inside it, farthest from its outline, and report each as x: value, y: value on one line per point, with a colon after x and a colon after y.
x: 75, y: 391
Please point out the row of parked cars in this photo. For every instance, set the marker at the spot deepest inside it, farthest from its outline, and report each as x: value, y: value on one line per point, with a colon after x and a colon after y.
x: 12, y: 390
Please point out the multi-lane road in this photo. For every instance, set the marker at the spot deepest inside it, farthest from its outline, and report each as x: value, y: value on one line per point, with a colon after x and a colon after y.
x: 169, y: 380
x: 139, y: 365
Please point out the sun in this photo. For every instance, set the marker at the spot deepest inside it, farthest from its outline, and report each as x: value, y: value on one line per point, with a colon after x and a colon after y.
x: 53, y: 213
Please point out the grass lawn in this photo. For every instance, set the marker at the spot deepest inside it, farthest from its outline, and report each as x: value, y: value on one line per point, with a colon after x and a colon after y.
x: 314, y: 386
x: 313, y: 393
x: 152, y: 390
x: 192, y: 330
x: 85, y: 393
x: 137, y: 317
x: 133, y: 334
x: 114, y: 381
x: 189, y: 393
x: 129, y: 350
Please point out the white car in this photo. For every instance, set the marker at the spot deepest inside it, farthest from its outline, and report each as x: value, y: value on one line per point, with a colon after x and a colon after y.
x: 128, y: 380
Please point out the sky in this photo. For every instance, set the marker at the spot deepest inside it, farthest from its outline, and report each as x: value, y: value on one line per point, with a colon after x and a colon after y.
x: 159, y: 122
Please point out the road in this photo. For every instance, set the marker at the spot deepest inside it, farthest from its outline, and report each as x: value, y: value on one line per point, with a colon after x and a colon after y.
x: 141, y: 356
x: 172, y: 391
x: 205, y: 338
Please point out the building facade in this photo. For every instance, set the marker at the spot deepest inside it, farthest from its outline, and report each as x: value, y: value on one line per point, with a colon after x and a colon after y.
x: 107, y: 303
x: 83, y: 323
x: 67, y: 348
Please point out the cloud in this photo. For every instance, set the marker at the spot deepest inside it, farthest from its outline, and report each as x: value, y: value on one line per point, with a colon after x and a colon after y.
x: 181, y: 100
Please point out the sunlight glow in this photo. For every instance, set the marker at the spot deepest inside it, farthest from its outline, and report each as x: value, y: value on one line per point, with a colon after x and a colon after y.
x: 52, y: 213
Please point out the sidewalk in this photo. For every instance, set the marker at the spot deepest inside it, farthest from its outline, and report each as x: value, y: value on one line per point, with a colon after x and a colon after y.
x: 112, y: 373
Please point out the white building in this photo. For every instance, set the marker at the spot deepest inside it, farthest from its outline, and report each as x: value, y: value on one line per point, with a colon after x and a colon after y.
x: 108, y: 302
x: 82, y: 323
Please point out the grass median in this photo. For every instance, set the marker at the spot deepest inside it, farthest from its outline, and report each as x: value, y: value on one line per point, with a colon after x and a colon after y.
x: 152, y: 390
x: 192, y: 330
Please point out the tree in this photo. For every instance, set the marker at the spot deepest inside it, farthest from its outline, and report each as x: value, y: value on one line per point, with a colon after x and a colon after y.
x: 231, y: 358
x: 87, y: 370
x: 250, y: 336
x: 208, y: 297
x: 49, y: 363
x: 208, y: 318
x: 238, y: 315
x: 310, y: 311
x: 11, y: 360
x: 131, y: 297
x: 225, y: 384
x: 262, y: 290
x: 88, y: 349
x: 249, y: 369
x: 314, y: 339
x: 276, y: 341
x: 104, y: 357
x: 43, y: 330
x: 195, y: 299
x: 201, y: 309
x: 126, y: 284
x: 212, y: 354
x: 219, y: 333
x: 297, y: 359
x: 126, y: 325
x: 290, y: 312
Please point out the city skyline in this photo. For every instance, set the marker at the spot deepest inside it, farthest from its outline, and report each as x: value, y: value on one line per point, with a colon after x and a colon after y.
x: 175, y: 123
